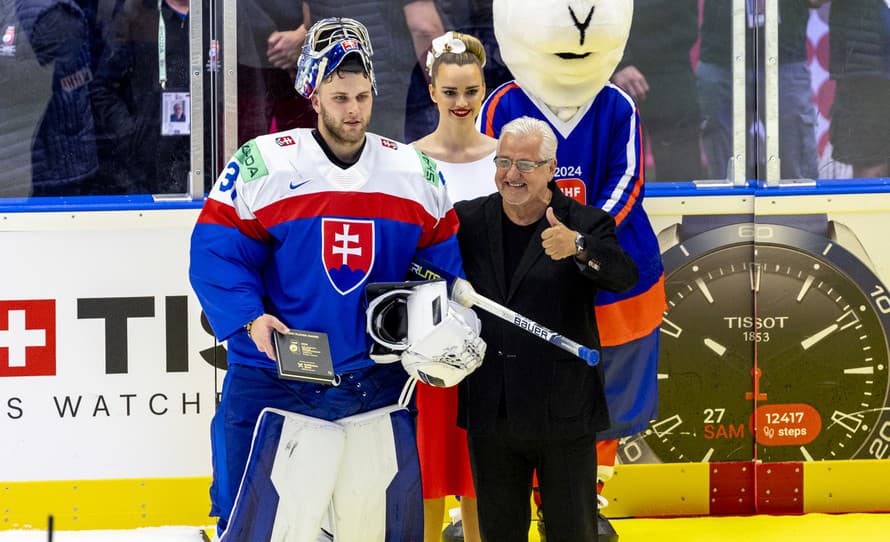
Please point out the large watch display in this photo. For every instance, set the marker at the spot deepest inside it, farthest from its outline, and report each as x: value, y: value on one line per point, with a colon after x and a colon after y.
x: 773, y: 347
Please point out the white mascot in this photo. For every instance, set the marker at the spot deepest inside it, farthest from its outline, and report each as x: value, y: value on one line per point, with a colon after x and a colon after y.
x: 562, y: 54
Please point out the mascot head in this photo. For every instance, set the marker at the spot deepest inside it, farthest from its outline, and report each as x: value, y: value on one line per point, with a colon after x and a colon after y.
x: 562, y: 51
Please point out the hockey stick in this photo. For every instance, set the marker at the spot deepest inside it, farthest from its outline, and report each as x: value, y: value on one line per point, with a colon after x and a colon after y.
x: 463, y: 293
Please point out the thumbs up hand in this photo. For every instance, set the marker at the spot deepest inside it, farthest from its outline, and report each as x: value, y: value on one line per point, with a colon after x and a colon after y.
x: 558, y: 240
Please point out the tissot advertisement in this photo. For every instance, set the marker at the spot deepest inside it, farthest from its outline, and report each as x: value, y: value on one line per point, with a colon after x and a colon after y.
x: 101, y: 372
x: 774, y: 341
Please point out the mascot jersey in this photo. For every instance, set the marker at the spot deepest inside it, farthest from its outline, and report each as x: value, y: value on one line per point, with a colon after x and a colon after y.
x: 286, y: 231
x: 599, y: 163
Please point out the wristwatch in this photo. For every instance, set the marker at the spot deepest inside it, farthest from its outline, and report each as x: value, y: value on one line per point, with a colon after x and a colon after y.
x: 773, y: 345
x: 580, y: 244
x: 249, y: 327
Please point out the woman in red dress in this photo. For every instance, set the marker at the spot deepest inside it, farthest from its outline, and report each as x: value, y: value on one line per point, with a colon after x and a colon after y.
x: 465, y: 159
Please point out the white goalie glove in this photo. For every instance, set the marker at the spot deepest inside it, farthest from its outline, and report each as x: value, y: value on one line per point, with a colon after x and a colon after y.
x: 448, y: 353
x: 440, y: 345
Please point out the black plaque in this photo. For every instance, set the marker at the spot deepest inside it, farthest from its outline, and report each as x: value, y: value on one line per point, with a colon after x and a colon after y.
x: 304, y: 355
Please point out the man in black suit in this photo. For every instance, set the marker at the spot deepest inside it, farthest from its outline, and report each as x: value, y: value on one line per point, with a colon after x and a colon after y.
x: 531, y: 406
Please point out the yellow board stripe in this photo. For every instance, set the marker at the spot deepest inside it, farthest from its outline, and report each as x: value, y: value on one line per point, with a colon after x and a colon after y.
x: 846, y: 486
x: 669, y: 489
x: 105, y: 504
x: 682, y: 489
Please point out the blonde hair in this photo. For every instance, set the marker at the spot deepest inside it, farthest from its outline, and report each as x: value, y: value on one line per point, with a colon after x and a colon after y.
x: 474, y: 53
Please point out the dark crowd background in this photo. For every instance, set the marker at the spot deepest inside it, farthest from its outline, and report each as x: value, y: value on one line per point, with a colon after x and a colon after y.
x: 88, y: 88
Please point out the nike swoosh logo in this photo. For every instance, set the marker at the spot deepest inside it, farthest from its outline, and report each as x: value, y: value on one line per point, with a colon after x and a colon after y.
x: 298, y: 185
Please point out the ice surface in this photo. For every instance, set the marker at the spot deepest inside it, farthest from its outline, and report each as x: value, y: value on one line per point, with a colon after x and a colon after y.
x: 154, y: 534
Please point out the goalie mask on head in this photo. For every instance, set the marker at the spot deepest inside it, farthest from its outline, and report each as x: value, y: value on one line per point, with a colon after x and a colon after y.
x: 328, y: 43
x: 438, y: 339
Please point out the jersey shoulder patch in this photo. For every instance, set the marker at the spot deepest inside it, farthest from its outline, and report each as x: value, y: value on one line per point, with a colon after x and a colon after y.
x: 430, y: 168
x: 252, y: 164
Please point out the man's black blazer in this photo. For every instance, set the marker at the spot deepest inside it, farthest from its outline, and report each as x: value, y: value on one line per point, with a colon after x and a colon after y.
x: 546, y: 392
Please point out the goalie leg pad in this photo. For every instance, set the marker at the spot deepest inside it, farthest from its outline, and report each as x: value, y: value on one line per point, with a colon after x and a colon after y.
x: 289, y: 479
x: 378, y: 496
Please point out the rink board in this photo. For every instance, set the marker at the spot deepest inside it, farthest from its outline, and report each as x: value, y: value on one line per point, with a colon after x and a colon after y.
x: 137, y: 453
x: 670, y: 489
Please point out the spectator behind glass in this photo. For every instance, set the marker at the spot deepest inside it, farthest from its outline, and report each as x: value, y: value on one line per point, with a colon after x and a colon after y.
x: 45, y: 70
x: 22, y: 107
x: 270, y: 37
x: 859, y: 37
x: 396, y: 27
x: 657, y: 72
x: 97, y: 13
x: 141, y: 149
x: 474, y: 17
x: 464, y: 156
x: 797, y: 115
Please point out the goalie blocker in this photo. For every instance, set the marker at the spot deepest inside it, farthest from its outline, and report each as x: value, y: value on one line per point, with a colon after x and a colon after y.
x: 436, y: 340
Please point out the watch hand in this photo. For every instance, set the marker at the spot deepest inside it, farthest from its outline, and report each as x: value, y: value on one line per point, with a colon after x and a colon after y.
x: 756, y: 373
x: 797, y: 354
x: 736, y: 361
x: 793, y: 353
x: 733, y: 360
x: 813, y: 339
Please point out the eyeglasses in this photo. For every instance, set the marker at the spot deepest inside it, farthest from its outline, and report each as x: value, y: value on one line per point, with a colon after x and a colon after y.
x: 524, y: 166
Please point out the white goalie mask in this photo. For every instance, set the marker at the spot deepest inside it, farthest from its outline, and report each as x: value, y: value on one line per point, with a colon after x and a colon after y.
x: 440, y: 345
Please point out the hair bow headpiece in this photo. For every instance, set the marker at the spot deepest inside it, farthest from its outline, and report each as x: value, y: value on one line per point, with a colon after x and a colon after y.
x: 446, y: 43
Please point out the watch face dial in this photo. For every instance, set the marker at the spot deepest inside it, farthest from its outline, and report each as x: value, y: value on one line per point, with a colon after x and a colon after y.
x: 783, y: 339
x: 824, y: 383
x: 705, y: 364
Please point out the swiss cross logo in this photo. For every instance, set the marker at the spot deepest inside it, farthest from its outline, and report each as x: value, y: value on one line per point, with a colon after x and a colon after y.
x: 284, y: 141
x: 28, y: 338
x: 389, y: 144
x: 347, y: 251
x: 573, y: 188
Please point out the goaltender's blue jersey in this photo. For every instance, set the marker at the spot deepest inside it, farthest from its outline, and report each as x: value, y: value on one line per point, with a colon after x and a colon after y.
x: 287, y: 232
x: 599, y: 163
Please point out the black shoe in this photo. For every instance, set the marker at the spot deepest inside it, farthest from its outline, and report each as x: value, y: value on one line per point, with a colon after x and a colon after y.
x: 605, y: 531
x: 454, y: 532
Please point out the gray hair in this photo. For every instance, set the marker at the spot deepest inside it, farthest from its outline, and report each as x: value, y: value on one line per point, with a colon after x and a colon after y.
x: 530, y: 127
